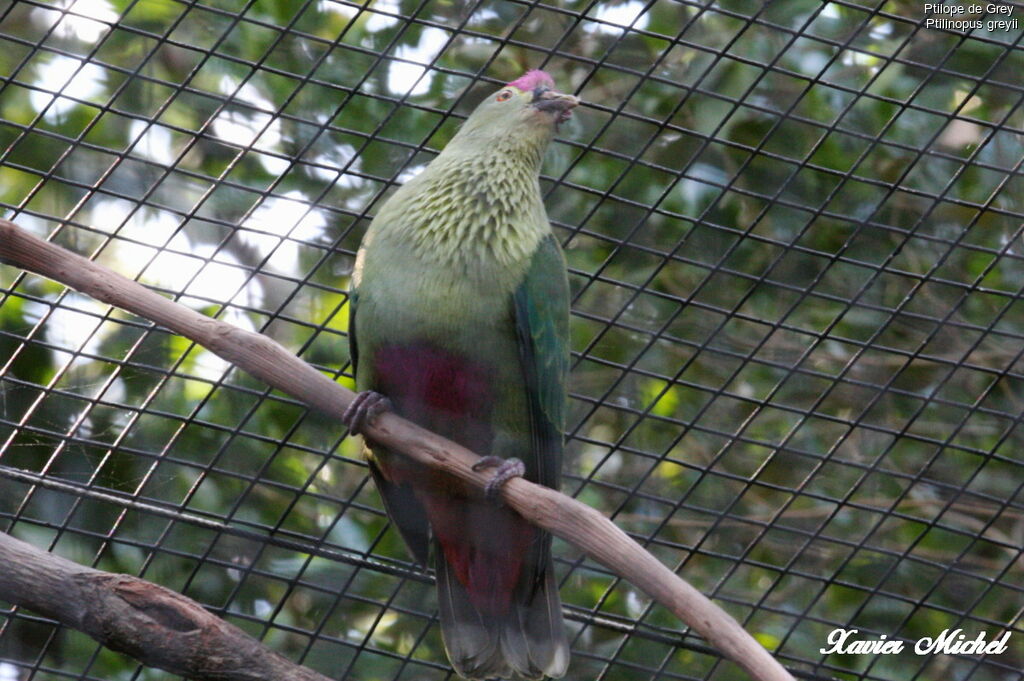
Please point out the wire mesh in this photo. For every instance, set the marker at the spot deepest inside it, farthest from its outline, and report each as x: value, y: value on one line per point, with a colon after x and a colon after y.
x: 794, y: 236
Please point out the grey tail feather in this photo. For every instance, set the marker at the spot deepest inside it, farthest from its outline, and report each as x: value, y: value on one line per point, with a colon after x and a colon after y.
x: 528, y: 643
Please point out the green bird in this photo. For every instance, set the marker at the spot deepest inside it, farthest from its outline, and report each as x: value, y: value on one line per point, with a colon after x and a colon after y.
x: 459, y: 322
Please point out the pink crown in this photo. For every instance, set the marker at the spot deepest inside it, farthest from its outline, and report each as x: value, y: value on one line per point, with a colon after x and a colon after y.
x: 531, y: 79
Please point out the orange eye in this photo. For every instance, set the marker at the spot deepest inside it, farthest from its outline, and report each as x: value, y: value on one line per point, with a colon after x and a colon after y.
x: 504, y: 96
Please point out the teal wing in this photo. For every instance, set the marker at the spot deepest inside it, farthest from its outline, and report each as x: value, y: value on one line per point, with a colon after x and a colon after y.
x: 542, y: 325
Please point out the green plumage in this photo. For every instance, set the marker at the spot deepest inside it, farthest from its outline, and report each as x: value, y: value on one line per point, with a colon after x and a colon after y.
x: 460, y: 317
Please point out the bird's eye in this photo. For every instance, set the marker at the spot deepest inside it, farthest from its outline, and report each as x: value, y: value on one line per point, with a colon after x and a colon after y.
x: 504, y: 96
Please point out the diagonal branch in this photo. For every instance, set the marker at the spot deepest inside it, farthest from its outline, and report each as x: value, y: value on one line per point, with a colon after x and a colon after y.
x: 265, y: 359
x: 156, y: 626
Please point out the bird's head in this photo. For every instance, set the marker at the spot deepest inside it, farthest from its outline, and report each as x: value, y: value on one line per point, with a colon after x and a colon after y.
x: 528, y: 110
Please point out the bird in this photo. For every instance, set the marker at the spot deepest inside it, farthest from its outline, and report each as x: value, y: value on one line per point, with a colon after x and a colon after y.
x: 459, y: 322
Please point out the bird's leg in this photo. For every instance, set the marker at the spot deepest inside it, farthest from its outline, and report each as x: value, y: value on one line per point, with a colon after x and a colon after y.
x: 506, y: 469
x: 366, y: 406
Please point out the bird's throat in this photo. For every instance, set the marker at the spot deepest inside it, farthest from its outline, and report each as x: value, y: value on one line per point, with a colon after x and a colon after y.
x: 486, y: 208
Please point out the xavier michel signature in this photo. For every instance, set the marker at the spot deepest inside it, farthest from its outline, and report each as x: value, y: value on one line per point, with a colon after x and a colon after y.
x: 949, y: 642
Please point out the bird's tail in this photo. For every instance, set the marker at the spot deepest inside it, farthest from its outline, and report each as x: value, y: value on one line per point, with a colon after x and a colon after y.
x: 526, y: 641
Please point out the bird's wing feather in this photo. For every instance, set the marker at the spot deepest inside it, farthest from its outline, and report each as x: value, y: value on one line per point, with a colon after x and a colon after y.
x: 401, y: 504
x: 353, y: 350
x: 534, y: 638
x: 542, y: 325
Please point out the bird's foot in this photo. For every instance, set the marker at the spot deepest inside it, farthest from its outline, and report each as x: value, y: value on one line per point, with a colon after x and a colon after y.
x: 506, y: 469
x: 366, y: 407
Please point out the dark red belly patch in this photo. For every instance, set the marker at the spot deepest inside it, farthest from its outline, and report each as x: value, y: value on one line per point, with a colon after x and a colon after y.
x: 485, y: 544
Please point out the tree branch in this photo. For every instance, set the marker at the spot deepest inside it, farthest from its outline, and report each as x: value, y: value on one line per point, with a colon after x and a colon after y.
x: 156, y: 626
x: 264, y: 358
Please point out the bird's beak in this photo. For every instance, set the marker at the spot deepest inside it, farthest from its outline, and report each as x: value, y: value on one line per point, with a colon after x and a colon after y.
x: 555, y: 103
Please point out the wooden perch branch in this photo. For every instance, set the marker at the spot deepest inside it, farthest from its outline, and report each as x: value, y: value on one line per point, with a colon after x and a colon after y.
x: 156, y: 626
x: 262, y: 357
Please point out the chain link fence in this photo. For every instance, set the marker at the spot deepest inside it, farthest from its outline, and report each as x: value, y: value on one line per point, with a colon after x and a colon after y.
x: 794, y: 231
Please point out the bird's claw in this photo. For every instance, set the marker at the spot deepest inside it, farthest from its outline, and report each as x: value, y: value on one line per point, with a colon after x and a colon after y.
x: 506, y: 469
x: 366, y: 407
